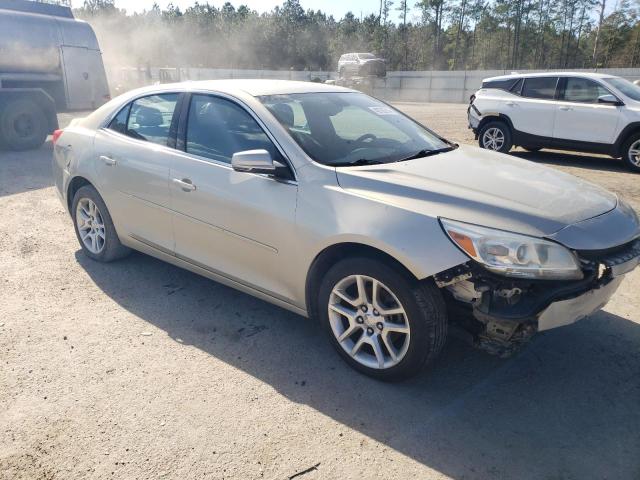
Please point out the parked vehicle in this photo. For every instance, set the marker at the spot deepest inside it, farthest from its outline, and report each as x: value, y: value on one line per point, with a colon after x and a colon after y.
x: 584, y: 112
x: 50, y: 63
x: 361, y: 65
x: 334, y: 205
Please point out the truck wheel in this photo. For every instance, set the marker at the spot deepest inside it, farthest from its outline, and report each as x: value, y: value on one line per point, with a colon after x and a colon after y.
x: 382, y: 322
x: 631, y: 153
x: 23, y: 125
x: 495, y: 136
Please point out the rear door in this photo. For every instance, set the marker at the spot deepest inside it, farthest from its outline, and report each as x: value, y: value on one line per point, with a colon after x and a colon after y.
x: 534, y: 112
x: 132, y: 166
x: 237, y: 224
x: 580, y: 117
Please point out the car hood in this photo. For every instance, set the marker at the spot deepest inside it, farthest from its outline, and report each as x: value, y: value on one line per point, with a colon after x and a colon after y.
x: 478, y: 186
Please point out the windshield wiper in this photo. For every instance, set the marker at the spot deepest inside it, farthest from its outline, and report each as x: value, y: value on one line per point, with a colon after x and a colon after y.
x: 360, y: 161
x: 427, y: 153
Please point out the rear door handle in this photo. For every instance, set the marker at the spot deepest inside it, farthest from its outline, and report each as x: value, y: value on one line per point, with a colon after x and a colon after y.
x: 108, y: 160
x: 566, y: 109
x: 511, y: 104
x: 185, y: 184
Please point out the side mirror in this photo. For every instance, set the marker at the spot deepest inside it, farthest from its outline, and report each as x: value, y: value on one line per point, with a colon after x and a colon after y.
x: 609, y: 99
x: 254, y: 161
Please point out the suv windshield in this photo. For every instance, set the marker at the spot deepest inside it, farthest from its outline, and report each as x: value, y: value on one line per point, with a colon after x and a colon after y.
x: 351, y: 128
x: 625, y: 86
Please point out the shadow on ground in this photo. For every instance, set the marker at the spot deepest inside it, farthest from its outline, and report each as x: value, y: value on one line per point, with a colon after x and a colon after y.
x: 23, y: 171
x: 566, y: 407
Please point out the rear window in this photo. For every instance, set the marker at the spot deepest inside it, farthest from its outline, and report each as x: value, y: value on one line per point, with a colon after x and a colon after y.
x: 540, y: 87
x: 150, y: 117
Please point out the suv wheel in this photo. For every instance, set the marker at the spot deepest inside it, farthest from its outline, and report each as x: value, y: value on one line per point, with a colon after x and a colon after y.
x: 495, y: 136
x: 631, y: 152
x: 382, y: 323
x: 94, y: 227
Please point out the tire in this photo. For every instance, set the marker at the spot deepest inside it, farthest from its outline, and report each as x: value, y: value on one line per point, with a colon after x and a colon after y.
x: 631, y: 160
x: 532, y: 149
x: 107, y: 246
x: 23, y: 125
x: 501, y: 135
x: 424, y: 315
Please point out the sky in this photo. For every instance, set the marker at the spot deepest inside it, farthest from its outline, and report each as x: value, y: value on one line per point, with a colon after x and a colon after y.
x: 337, y: 8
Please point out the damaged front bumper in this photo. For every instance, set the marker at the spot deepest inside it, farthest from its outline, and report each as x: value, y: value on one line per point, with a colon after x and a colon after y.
x: 508, y: 311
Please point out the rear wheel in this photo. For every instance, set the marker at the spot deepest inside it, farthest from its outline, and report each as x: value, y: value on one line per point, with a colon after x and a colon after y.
x: 631, y: 152
x: 382, y: 322
x: 495, y: 136
x: 94, y: 227
x: 23, y: 125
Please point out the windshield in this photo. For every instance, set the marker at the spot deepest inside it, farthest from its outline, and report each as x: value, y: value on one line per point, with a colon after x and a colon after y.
x: 625, y: 86
x: 366, y: 56
x: 351, y: 128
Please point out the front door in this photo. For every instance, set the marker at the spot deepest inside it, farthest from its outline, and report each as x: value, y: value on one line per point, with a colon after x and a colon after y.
x: 132, y: 166
x: 580, y: 117
x: 236, y: 224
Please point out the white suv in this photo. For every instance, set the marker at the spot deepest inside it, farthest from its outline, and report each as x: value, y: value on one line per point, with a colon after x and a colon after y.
x: 585, y: 112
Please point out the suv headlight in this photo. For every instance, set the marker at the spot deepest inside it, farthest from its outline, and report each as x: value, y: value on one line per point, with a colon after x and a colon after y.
x: 513, y: 254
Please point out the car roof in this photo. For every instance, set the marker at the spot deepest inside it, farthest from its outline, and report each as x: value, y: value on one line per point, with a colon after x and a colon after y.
x: 549, y: 74
x: 253, y: 87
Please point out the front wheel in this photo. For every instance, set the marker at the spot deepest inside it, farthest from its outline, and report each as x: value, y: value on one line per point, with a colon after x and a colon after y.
x: 631, y: 153
x: 382, y: 322
x: 495, y: 136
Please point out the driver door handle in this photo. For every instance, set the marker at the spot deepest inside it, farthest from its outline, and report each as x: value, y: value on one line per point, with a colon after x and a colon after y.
x: 565, y: 108
x: 108, y: 160
x: 185, y: 184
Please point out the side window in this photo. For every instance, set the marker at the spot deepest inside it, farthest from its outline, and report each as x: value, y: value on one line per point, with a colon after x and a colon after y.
x: 119, y: 122
x: 218, y: 128
x: 540, y: 87
x: 583, y: 90
x: 150, y: 117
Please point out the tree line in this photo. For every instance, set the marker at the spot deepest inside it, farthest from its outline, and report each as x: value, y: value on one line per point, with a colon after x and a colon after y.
x: 427, y: 35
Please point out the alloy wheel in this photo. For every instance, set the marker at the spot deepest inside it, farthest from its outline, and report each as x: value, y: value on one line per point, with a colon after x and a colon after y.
x: 90, y: 225
x: 493, y: 139
x: 634, y: 153
x: 369, y: 322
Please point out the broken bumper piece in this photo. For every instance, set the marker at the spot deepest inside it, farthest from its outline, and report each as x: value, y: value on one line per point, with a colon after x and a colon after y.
x: 566, y: 312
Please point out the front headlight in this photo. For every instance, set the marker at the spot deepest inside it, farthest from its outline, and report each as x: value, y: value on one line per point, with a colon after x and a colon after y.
x: 513, y: 254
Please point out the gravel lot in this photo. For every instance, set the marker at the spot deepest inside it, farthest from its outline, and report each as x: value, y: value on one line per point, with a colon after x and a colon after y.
x: 140, y: 370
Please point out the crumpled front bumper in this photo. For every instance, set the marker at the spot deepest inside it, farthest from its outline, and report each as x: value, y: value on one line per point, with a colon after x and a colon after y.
x: 566, y: 312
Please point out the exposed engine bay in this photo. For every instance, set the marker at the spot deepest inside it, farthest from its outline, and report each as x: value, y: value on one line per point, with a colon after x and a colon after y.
x: 502, y: 313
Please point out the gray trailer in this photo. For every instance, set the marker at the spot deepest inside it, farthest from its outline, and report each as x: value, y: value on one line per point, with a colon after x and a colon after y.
x: 49, y: 62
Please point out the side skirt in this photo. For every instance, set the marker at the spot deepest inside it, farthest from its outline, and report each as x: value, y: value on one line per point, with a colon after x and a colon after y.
x: 536, y: 141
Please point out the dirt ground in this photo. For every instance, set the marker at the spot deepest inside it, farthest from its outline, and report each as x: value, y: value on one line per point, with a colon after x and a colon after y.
x: 140, y: 370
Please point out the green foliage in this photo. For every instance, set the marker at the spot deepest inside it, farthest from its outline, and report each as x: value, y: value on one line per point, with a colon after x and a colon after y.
x: 430, y: 34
